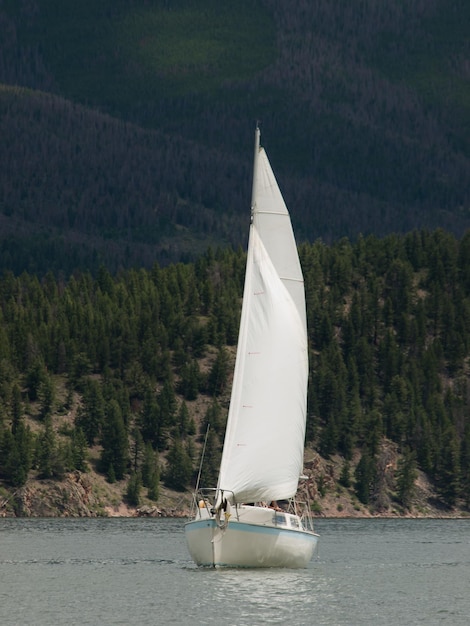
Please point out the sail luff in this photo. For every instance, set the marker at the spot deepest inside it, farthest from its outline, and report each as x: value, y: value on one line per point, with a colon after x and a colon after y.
x: 232, y: 422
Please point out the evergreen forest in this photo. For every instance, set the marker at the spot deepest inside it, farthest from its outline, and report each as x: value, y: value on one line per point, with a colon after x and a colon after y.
x: 126, y: 153
x: 121, y: 374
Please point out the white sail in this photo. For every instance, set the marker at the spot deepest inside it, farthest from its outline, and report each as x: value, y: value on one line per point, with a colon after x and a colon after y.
x: 262, y: 457
x: 263, y: 449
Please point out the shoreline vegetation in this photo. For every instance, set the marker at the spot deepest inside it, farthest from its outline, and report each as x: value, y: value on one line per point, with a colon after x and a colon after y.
x: 89, y: 495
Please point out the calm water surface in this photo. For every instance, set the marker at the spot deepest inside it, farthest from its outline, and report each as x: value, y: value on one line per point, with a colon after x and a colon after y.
x: 137, y: 571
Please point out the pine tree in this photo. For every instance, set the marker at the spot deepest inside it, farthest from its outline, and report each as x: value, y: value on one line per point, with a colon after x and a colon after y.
x: 213, y: 418
x: 365, y: 476
x: 46, y: 396
x: 16, y: 454
x: 110, y: 474
x: 149, y: 464
x: 16, y: 409
x: 134, y: 487
x: 151, y: 473
x: 182, y: 421
x: 35, y: 375
x: 91, y: 416
x: 138, y: 449
x: 345, y: 477
x: 149, y: 417
x: 179, y: 469
x: 114, y: 441
x: 448, y: 467
x: 190, y: 380
x: 47, y: 452
x: 153, y: 492
x: 167, y: 408
x: 79, y: 450
x: 218, y: 375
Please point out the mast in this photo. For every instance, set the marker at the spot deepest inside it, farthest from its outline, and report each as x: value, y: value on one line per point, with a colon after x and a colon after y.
x: 255, y: 166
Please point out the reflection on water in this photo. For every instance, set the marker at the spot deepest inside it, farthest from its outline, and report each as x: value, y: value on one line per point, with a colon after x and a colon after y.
x: 263, y: 596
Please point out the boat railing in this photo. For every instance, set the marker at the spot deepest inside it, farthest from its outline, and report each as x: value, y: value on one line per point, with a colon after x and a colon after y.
x: 303, y: 510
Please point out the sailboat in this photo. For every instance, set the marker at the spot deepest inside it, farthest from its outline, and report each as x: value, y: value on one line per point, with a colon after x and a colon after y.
x: 251, y: 518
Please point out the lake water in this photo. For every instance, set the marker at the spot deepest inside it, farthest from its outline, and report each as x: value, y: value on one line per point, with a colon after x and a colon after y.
x: 137, y: 571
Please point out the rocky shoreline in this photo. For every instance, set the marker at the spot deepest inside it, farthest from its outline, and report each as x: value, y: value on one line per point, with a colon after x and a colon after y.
x: 87, y: 495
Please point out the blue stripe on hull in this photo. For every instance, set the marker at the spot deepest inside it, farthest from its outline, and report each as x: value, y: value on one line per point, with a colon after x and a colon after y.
x: 246, y: 527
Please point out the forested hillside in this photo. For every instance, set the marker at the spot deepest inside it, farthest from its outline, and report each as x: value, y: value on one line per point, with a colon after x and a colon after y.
x: 120, y: 375
x: 127, y: 125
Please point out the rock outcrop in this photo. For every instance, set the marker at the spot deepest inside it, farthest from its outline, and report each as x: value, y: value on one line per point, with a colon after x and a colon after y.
x: 71, y: 497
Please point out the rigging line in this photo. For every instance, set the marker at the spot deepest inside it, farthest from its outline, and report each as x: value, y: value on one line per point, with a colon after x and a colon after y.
x: 202, y: 458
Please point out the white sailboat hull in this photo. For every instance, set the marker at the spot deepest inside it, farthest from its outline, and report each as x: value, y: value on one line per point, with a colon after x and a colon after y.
x: 256, y: 537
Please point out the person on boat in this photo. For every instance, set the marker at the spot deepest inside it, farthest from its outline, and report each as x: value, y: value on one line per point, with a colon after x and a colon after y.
x: 274, y: 505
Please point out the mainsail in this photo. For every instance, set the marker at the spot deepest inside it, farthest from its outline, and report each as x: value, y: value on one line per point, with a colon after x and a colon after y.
x: 263, y: 449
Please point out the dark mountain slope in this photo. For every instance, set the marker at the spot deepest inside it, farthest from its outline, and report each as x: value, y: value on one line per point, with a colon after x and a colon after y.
x: 114, y: 192
x: 365, y: 112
